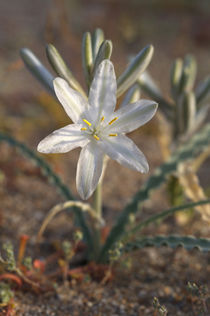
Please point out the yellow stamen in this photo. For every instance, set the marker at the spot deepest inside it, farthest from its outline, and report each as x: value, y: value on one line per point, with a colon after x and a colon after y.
x: 112, y: 134
x: 102, y: 119
x: 96, y: 137
x: 88, y: 123
x: 83, y: 129
x: 112, y: 121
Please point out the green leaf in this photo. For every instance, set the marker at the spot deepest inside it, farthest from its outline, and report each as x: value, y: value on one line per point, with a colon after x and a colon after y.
x: 61, y: 68
x: 38, y: 70
x: 173, y: 241
x: 132, y: 95
x: 163, y: 215
x: 104, y: 52
x: 87, y: 57
x: 203, y: 90
x: 52, y: 178
x: 176, y: 73
x: 134, y: 69
x: 185, y: 113
x: 97, y: 39
x: 188, y: 151
x: 148, y: 86
x: 189, y: 71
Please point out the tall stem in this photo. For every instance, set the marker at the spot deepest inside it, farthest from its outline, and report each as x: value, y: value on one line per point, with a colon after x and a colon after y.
x: 97, y: 205
x: 97, y: 202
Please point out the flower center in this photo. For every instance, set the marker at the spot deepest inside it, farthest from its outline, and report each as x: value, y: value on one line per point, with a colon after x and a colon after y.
x: 96, y: 131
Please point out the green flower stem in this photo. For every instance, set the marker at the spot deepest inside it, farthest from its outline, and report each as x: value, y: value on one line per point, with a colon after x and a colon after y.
x: 97, y: 206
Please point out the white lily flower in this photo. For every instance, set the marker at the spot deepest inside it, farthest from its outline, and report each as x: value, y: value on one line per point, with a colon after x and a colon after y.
x: 98, y: 129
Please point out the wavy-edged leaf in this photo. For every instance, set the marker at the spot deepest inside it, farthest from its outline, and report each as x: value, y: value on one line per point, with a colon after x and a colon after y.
x: 52, y: 178
x: 198, y: 142
x: 37, y: 69
x: 134, y: 69
x: 173, y: 241
x: 61, y: 69
x: 165, y: 214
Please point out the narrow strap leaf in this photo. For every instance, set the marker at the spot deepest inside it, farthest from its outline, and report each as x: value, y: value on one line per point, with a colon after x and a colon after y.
x: 104, y: 52
x: 173, y: 241
x: 61, y: 68
x: 132, y: 95
x: 185, y: 113
x: 37, y: 69
x: 199, y: 142
x: 176, y: 73
x: 148, y: 86
x: 52, y: 178
x: 97, y: 39
x: 134, y: 69
x: 87, y: 57
x: 189, y: 71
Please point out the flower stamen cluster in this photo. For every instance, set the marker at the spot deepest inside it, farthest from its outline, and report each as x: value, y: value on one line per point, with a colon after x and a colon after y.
x: 97, y: 131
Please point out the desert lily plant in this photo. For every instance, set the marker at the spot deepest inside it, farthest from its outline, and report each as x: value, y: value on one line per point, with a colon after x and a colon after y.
x: 100, y: 130
x: 187, y: 108
x: 185, y: 112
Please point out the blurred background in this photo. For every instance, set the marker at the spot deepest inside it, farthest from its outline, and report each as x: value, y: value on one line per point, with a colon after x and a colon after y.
x: 174, y: 27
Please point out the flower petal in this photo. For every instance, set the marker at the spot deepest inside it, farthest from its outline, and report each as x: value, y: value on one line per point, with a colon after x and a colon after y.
x: 89, y: 169
x: 72, y: 101
x: 102, y: 96
x: 123, y: 150
x: 132, y: 116
x: 63, y: 140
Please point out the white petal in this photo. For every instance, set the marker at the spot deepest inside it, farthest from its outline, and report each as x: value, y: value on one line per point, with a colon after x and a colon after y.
x: 102, y: 96
x: 132, y: 116
x: 72, y: 101
x: 123, y: 150
x: 89, y: 169
x: 63, y: 140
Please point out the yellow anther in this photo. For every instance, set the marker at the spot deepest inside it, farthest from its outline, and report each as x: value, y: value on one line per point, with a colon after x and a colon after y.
x: 112, y: 121
x: 88, y: 123
x: 102, y: 119
x: 83, y: 129
x: 112, y: 134
x: 96, y: 137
